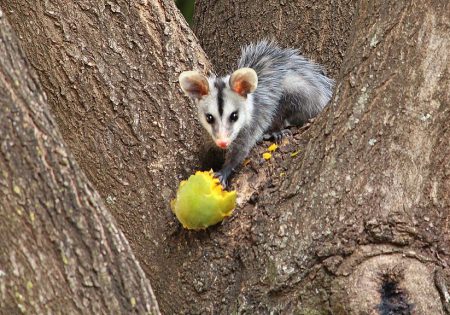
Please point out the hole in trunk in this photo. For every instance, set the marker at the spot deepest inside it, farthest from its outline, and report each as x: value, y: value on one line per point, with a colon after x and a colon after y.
x: 393, y: 299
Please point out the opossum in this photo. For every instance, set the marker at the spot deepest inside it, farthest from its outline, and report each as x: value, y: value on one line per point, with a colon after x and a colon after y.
x: 272, y: 89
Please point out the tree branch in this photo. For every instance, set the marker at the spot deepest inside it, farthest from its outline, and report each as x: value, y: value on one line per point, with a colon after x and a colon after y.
x: 61, y: 251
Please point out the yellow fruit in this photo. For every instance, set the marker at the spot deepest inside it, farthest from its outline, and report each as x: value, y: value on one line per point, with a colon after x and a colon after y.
x: 267, y: 156
x: 202, y: 202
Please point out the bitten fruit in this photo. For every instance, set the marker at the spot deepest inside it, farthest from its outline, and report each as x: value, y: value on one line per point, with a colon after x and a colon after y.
x: 202, y: 202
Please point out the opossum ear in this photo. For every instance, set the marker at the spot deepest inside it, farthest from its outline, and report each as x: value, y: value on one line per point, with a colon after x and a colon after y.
x: 194, y: 84
x: 244, y: 81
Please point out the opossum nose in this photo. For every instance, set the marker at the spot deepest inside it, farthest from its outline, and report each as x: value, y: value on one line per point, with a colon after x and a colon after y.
x: 222, y: 143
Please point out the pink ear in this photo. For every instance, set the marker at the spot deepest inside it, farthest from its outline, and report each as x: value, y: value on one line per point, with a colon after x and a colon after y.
x: 194, y: 84
x: 244, y: 81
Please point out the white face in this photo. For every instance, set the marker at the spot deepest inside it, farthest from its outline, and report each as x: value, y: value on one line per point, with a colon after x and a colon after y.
x: 223, y: 112
x: 225, y: 105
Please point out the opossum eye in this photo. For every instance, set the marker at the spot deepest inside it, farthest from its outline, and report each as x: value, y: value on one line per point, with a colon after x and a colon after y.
x: 209, y: 118
x: 234, y: 116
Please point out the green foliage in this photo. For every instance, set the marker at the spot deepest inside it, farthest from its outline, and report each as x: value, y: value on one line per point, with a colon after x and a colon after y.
x: 187, y: 9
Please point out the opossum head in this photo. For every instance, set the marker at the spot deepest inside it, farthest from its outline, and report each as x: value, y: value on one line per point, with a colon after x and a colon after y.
x: 225, y: 105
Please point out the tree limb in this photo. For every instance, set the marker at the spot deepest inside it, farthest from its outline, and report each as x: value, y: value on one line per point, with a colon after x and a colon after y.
x: 61, y: 251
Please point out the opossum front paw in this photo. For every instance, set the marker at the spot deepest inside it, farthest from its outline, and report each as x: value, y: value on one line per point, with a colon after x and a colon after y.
x: 277, y: 136
x: 223, y: 179
x: 223, y: 176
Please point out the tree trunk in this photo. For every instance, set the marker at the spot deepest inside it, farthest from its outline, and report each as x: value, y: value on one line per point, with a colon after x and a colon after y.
x: 60, y: 249
x: 320, y: 29
x: 110, y: 71
x: 356, y: 222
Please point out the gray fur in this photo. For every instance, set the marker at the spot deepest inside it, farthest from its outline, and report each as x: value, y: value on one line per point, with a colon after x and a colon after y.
x: 290, y: 91
x: 289, y: 86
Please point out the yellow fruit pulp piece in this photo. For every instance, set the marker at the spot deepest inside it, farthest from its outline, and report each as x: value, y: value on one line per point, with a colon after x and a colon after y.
x: 267, y: 156
x: 273, y: 147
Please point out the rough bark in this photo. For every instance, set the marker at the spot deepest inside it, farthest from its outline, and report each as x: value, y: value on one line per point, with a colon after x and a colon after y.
x: 320, y: 29
x: 358, y: 223
x: 363, y: 208
x: 110, y: 71
x: 60, y: 249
